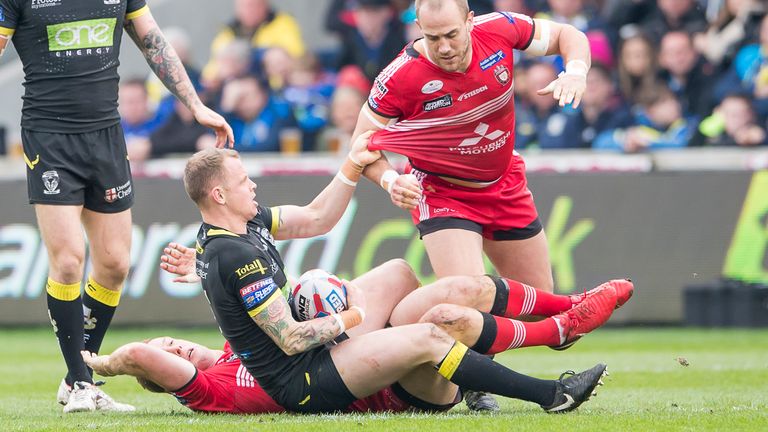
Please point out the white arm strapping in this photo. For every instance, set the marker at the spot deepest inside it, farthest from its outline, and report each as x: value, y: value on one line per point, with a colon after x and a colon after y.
x: 539, y: 47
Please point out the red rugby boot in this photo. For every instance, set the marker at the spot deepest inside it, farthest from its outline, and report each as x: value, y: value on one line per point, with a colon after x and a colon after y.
x: 592, y: 312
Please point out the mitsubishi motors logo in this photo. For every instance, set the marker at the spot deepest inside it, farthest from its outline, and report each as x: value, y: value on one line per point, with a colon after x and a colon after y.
x: 482, y: 131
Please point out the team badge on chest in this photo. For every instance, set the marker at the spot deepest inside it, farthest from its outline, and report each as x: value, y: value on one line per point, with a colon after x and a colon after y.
x: 502, y: 74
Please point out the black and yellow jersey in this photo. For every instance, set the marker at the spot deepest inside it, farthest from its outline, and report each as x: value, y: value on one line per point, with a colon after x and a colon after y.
x: 70, y: 50
x: 242, y: 275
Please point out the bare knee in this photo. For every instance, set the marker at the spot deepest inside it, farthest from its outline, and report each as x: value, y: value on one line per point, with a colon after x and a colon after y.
x: 401, y: 268
x: 66, y: 266
x: 443, y: 315
x: 112, y: 270
x: 431, y: 340
x: 467, y: 290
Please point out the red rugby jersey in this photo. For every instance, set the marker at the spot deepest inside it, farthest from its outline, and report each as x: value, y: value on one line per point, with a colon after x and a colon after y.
x: 227, y: 387
x: 451, y: 123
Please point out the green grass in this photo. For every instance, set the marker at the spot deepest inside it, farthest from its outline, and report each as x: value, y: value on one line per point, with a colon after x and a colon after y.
x: 724, y: 388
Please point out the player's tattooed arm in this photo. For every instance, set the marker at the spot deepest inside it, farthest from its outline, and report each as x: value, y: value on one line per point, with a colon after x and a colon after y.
x: 291, y: 336
x: 162, y: 58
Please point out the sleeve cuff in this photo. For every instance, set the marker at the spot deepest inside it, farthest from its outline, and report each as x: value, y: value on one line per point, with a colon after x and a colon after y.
x: 137, y: 13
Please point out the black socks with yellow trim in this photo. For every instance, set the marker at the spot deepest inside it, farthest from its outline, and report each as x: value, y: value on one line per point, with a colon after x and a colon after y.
x: 65, y: 310
x: 473, y: 371
x: 99, y: 305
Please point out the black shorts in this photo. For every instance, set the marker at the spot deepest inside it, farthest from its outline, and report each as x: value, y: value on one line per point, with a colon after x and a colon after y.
x: 89, y: 169
x: 319, y: 389
x: 429, y: 226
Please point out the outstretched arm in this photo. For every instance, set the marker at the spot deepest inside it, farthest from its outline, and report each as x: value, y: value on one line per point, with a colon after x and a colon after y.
x: 165, y: 63
x: 563, y: 39
x: 143, y: 361
x: 323, y: 213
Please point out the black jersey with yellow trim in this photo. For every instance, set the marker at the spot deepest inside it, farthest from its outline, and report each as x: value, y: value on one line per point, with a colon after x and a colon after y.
x: 70, y: 51
x: 241, y: 276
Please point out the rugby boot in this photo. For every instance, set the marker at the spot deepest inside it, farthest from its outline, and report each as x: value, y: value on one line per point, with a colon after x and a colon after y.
x: 589, y: 314
x: 81, y: 398
x: 576, y: 389
x: 105, y: 403
x: 481, y: 401
x: 62, y: 394
x: 624, y: 290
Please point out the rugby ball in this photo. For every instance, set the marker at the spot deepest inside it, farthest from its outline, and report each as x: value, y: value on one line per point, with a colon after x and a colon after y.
x: 317, y: 294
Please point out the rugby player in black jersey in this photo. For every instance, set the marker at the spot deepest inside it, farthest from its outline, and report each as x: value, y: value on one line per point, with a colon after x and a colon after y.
x: 242, y: 274
x: 77, y: 167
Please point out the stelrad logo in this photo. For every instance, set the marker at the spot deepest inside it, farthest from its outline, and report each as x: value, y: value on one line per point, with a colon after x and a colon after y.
x: 78, y: 35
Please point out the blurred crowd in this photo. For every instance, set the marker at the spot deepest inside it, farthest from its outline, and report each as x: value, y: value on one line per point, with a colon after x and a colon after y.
x: 665, y: 74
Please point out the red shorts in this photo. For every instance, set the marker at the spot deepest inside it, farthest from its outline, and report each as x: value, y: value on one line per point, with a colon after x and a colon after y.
x: 396, y: 399
x: 501, y: 211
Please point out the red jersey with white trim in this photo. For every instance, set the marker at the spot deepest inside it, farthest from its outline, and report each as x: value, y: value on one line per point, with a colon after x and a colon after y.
x: 456, y: 124
x: 226, y: 387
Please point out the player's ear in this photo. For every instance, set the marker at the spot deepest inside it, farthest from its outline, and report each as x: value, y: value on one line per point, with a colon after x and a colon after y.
x: 217, y: 195
x: 470, y: 21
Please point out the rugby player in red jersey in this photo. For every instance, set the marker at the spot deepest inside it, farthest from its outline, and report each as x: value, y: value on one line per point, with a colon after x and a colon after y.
x: 446, y: 103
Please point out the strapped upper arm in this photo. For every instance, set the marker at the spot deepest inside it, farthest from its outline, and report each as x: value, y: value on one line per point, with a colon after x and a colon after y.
x: 9, y: 15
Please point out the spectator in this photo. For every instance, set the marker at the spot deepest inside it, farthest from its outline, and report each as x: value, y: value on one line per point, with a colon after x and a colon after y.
x: 137, y: 119
x: 732, y: 124
x: 737, y: 23
x: 345, y: 107
x: 374, y: 40
x: 539, y: 122
x: 308, y: 92
x: 637, y: 68
x: 622, y: 15
x: 262, y: 27
x: 601, y: 109
x: 255, y: 116
x: 686, y: 73
x: 517, y: 6
x: 232, y: 61
x: 660, y: 125
x: 276, y: 67
x: 180, y: 134
x: 672, y: 15
x: 751, y: 70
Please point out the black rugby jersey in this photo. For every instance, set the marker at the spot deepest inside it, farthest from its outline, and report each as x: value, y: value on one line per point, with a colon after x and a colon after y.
x: 242, y: 275
x: 70, y: 50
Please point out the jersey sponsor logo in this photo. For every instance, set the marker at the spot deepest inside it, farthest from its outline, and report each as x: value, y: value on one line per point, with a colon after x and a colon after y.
x: 432, y: 87
x: 473, y: 146
x: 111, y: 2
x: 117, y: 193
x: 441, y: 102
x: 37, y: 4
x: 78, y: 35
x: 502, y: 74
x: 472, y: 93
x: 492, y: 59
x: 51, y: 183
x: 257, y: 292
x: 379, y: 89
x: 2, y: 15
x: 252, y: 267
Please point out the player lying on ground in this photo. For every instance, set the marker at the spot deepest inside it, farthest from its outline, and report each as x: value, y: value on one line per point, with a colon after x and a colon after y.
x: 474, y: 309
x: 242, y: 273
x: 209, y: 380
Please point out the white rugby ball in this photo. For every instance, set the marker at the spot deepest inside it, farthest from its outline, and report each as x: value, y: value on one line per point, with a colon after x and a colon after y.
x: 318, y: 294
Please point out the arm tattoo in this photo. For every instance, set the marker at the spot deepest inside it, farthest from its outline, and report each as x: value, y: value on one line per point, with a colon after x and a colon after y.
x: 165, y: 63
x: 291, y: 336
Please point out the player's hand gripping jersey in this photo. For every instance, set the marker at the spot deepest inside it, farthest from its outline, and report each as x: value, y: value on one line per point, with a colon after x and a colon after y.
x: 70, y: 49
x: 451, y: 123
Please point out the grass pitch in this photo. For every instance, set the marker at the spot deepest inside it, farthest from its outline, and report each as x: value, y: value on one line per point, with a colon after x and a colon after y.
x: 724, y: 387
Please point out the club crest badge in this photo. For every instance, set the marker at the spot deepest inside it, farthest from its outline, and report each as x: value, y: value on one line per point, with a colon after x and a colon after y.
x: 51, y: 182
x: 502, y: 74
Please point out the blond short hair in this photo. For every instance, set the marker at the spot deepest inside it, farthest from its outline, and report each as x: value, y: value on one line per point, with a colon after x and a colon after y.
x: 436, y: 5
x: 203, y: 169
